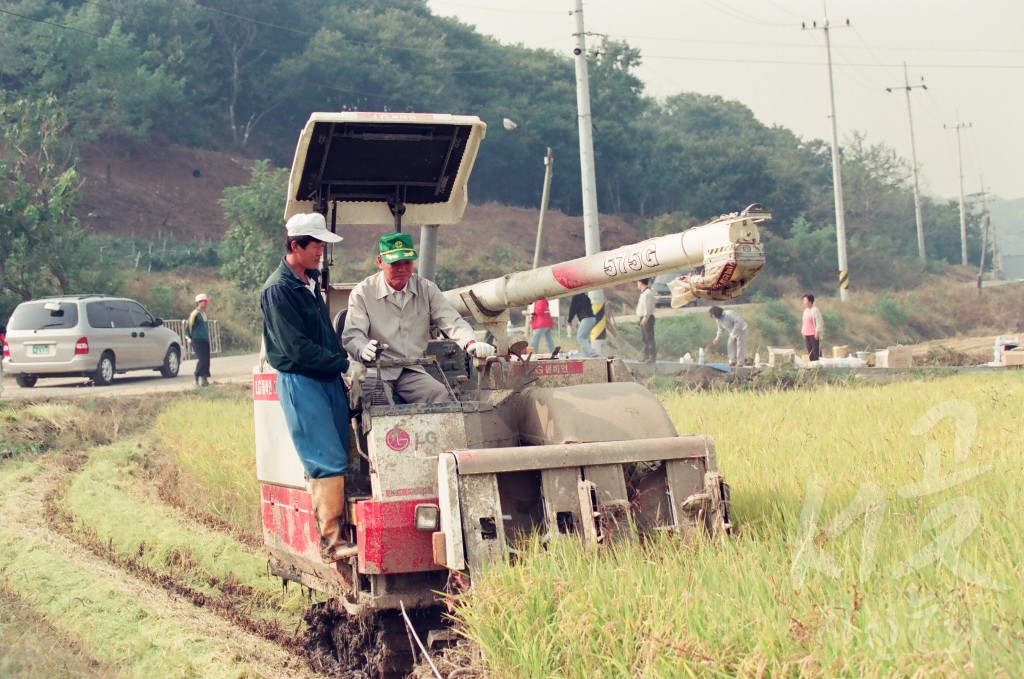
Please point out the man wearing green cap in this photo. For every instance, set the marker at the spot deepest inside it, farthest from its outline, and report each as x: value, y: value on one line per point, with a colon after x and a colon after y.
x: 389, y: 317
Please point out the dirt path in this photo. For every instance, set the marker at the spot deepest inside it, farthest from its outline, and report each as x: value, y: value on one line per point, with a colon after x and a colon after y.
x: 973, y: 346
x: 82, y: 593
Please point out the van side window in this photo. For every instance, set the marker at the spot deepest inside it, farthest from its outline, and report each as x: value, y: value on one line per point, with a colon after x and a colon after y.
x: 119, y: 313
x: 98, y: 315
x: 141, y: 317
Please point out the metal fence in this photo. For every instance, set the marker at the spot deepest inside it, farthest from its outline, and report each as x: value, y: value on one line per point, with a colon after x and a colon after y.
x: 178, y: 326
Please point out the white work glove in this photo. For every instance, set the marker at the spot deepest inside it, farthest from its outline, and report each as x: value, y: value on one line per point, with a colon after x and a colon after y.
x: 356, y: 372
x: 480, y: 349
x: 370, y: 351
x: 354, y: 380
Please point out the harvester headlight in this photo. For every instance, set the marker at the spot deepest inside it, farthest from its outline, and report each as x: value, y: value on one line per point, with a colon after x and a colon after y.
x: 428, y: 518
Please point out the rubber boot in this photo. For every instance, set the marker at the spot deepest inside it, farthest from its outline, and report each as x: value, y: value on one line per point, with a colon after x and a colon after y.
x: 329, y: 510
x: 204, y: 381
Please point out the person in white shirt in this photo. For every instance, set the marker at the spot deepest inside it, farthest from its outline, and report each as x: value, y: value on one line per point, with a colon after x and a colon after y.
x: 730, y: 322
x: 389, y: 317
x: 645, y: 318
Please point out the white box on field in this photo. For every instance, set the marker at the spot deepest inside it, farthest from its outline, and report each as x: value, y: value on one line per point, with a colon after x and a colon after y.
x: 779, y: 356
x: 1011, y: 355
x: 894, y: 357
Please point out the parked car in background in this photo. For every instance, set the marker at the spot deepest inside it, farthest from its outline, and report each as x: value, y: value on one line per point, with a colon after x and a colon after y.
x: 662, y: 295
x: 93, y: 336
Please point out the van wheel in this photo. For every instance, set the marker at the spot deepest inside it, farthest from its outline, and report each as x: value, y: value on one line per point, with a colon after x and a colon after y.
x: 172, y: 363
x: 26, y: 381
x: 104, y: 374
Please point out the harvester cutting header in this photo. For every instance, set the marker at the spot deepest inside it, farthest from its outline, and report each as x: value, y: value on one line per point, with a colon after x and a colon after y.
x: 564, y: 447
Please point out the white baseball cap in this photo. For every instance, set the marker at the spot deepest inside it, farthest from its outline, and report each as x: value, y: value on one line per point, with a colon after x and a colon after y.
x: 202, y: 297
x: 311, y: 224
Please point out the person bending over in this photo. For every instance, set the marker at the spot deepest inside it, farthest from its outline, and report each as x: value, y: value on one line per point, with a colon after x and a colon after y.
x: 730, y: 322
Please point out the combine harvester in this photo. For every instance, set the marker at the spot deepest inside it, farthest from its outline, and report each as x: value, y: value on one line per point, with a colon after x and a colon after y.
x: 560, y: 447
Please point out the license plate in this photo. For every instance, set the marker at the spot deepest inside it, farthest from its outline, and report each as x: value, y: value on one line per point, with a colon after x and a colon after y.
x: 39, y: 350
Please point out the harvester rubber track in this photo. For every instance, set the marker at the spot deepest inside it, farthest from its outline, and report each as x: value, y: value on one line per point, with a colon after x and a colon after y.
x: 372, y: 647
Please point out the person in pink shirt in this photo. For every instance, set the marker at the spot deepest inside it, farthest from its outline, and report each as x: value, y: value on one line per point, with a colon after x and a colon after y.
x: 812, y: 327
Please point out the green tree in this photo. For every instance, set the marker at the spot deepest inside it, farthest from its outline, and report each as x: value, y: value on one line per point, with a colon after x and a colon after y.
x: 41, y: 242
x: 617, y: 98
x: 702, y: 155
x: 254, y: 242
x: 110, y: 87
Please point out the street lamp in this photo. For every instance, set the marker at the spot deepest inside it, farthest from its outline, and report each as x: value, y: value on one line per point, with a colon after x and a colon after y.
x: 549, y: 163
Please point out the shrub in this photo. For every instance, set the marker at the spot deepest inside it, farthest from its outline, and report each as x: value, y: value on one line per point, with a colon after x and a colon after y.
x: 682, y: 334
x: 774, y: 323
x: 890, y: 310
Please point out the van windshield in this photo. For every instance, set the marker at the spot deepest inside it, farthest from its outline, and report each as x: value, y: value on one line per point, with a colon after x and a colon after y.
x: 35, y: 316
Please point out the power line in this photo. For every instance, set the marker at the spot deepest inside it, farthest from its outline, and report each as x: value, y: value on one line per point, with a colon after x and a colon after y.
x: 256, y: 21
x: 907, y: 87
x: 963, y: 209
x: 837, y: 176
x: 789, y: 62
x: 50, y: 23
x: 736, y: 14
x: 106, y: 7
x: 501, y: 10
x: 864, y: 45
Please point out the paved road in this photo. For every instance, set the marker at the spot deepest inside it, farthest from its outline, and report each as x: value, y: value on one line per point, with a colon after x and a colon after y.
x: 702, y: 309
x: 226, y: 370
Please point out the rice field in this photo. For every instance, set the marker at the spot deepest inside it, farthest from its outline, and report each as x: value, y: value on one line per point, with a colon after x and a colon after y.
x: 878, y: 535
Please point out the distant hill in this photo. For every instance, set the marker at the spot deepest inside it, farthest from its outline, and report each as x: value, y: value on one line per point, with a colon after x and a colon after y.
x: 173, y: 191
x: 165, y: 191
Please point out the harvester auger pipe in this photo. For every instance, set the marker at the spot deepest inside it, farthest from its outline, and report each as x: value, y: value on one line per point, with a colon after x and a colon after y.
x: 729, y: 251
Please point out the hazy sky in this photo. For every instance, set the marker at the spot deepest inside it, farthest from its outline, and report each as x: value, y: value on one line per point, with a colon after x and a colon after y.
x: 754, y: 51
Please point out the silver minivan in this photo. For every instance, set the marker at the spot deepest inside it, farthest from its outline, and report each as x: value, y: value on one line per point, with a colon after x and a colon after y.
x: 89, y: 335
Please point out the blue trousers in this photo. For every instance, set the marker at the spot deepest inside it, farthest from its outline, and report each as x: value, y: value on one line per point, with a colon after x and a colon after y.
x: 317, y: 417
x: 548, y: 339
x: 583, y: 337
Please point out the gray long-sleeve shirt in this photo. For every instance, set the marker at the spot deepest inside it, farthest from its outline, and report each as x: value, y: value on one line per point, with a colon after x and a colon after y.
x: 374, y: 313
x: 731, y: 323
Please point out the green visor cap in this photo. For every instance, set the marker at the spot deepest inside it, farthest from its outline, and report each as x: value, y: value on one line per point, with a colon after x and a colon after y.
x: 395, y: 247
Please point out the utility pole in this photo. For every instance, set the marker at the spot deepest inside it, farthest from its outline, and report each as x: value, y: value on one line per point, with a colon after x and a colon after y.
x: 837, y: 175
x: 913, y: 159
x: 997, y: 267
x: 591, y: 232
x: 549, y: 164
x: 984, y: 236
x: 963, y: 209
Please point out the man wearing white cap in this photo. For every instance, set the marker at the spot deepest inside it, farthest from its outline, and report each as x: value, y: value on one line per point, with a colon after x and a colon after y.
x: 197, y: 329
x: 301, y: 344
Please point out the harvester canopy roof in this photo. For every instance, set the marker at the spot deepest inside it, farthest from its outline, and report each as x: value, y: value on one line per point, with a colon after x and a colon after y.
x: 375, y: 168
